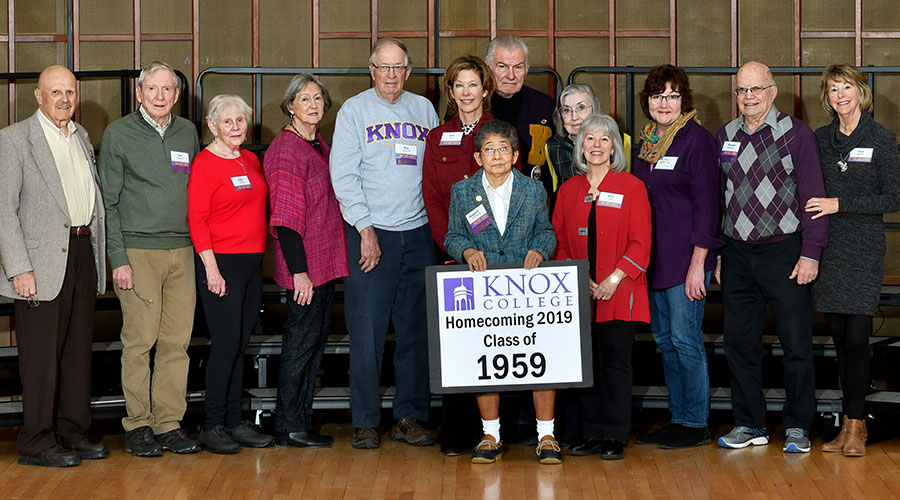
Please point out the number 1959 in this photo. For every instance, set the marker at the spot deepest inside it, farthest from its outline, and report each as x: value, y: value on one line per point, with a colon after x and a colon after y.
x: 538, y: 366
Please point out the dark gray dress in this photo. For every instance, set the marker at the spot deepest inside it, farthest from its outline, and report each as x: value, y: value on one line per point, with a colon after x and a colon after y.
x: 852, y: 265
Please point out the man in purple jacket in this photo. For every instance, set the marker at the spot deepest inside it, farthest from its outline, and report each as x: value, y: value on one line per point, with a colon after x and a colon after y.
x: 770, y: 167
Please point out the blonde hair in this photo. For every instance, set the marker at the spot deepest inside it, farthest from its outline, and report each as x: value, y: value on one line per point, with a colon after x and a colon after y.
x: 845, y: 73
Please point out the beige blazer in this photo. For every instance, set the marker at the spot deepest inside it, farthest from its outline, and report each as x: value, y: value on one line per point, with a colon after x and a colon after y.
x: 34, y: 217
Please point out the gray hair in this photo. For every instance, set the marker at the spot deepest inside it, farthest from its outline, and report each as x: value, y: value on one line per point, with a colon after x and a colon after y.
x: 510, y: 43
x: 574, y: 88
x: 298, y: 82
x: 221, y: 101
x: 500, y: 128
x: 389, y: 41
x: 606, y: 125
x: 153, y: 68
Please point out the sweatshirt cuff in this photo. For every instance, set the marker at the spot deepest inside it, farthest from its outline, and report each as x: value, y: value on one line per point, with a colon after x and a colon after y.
x: 362, y: 223
x: 118, y: 259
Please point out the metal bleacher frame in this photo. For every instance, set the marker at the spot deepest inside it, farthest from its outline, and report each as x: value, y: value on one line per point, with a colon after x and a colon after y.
x: 262, y: 347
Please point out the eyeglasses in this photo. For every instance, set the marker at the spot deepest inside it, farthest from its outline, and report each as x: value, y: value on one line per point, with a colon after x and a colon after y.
x: 751, y: 90
x: 579, y: 109
x: 670, y: 98
x: 384, y: 68
x: 503, y: 150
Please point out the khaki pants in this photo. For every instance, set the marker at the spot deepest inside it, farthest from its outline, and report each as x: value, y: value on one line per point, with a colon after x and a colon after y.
x: 158, y: 311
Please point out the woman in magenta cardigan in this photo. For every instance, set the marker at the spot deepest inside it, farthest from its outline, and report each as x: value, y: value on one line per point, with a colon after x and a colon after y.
x: 310, y: 254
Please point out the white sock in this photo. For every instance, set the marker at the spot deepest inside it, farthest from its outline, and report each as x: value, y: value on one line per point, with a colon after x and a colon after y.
x: 545, y: 427
x: 491, y: 428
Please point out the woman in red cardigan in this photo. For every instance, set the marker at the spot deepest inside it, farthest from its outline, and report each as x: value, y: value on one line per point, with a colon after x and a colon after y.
x: 603, y: 216
x: 310, y: 254
x: 227, y: 220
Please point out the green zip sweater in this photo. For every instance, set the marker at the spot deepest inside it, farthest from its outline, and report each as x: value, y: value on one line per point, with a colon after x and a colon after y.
x: 144, y: 194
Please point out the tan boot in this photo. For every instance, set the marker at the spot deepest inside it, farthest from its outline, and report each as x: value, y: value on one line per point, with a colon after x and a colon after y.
x: 837, y: 445
x: 855, y: 442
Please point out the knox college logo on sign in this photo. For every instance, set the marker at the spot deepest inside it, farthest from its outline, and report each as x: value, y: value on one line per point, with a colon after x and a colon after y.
x: 459, y: 294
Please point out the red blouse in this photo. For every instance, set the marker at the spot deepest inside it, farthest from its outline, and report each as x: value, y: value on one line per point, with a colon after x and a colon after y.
x: 623, y: 239
x: 220, y: 216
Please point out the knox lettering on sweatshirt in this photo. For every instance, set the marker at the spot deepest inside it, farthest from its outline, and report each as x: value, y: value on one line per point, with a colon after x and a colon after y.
x: 395, y: 130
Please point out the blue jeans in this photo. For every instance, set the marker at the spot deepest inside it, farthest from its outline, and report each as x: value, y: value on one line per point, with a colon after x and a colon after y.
x: 676, y: 322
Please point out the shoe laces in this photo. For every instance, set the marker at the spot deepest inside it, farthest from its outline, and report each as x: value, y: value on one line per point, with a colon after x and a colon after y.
x: 746, y: 430
x: 488, y: 444
x: 795, y: 432
x: 553, y: 445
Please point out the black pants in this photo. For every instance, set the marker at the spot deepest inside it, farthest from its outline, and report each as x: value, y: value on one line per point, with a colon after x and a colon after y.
x: 54, y: 341
x: 851, y: 334
x: 302, y: 346
x: 230, y: 320
x: 753, y: 276
x: 606, y: 407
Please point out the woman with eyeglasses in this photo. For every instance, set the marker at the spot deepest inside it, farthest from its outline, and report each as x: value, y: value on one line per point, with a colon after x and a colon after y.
x: 677, y: 162
x: 862, y: 183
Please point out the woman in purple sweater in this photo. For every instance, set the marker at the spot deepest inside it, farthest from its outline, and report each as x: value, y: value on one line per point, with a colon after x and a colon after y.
x: 677, y: 162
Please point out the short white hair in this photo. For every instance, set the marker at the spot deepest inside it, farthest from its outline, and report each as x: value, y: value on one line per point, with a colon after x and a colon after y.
x: 389, y: 41
x: 603, y: 124
x: 153, y: 68
x: 221, y: 101
x: 510, y: 43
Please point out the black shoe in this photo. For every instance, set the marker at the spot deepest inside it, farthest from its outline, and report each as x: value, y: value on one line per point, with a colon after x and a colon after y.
x: 585, y: 446
x: 303, y: 439
x: 178, y: 441
x: 54, y: 456
x: 612, y: 450
x: 659, y: 435
x: 248, y: 436
x: 89, y: 450
x: 218, y: 440
x: 686, y: 437
x: 141, y: 442
x: 450, y: 449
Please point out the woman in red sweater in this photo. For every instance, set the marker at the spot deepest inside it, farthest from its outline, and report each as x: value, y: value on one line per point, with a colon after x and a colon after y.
x: 227, y: 219
x: 603, y: 216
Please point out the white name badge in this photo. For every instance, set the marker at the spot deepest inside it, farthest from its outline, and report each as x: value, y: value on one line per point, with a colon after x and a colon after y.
x: 666, y: 163
x: 611, y: 200
x: 861, y: 155
x: 731, y: 147
x: 406, y: 154
x: 478, y: 218
x: 181, y: 162
x: 451, y: 139
x: 241, y: 182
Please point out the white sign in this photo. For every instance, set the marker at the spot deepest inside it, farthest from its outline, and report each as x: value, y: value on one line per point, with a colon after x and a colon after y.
x: 509, y: 328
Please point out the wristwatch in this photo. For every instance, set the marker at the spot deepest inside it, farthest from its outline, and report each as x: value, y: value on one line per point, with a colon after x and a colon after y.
x: 614, y: 279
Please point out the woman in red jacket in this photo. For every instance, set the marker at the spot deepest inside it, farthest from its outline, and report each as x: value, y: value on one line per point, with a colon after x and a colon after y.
x: 227, y: 219
x: 603, y: 216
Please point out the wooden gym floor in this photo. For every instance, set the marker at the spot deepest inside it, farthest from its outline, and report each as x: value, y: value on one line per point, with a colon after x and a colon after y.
x: 398, y: 471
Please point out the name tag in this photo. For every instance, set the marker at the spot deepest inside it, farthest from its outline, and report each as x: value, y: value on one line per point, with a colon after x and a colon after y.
x: 479, y: 219
x: 666, y: 163
x: 589, y: 199
x: 406, y: 154
x: 181, y: 162
x: 241, y: 182
x: 451, y: 139
x: 582, y: 231
x: 730, y: 150
x: 611, y: 200
x: 861, y: 155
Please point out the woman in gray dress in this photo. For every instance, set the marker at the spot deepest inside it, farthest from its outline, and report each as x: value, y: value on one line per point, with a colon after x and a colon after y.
x: 862, y: 182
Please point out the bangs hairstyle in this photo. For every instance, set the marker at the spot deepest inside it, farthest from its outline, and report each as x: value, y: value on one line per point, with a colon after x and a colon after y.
x: 845, y: 73
x: 471, y: 63
x: 604, y: 125
x: 218, y: 103
x: 558, y: 122
x: 297, y: 84
x: 389, y: 41
x: 496, y: 127
x: 656, y: 82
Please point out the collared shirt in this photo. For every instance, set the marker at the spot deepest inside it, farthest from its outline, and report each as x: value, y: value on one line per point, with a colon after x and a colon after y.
x: 771, y: 120
x: 160, y: 129
x: 73, y: 168
x: 499, y: 200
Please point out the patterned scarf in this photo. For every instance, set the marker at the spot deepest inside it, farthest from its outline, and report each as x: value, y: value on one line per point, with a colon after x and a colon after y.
x: 652, y: 148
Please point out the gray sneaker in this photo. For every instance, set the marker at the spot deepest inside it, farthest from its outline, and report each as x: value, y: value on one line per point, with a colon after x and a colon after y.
x: 742, y: 437
x: 796, y: 441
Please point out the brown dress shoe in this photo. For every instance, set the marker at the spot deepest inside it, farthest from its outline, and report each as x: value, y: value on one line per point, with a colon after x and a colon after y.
x: 837, y: 444
x: 410, y: 431
x: 855, y: 442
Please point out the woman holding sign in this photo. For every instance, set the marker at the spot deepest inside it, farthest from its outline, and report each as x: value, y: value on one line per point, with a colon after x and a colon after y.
x: 862, y: 182
x: 603, y: 216
x: 498, y: 215
x: 227, y: 219
x: 677, y: 162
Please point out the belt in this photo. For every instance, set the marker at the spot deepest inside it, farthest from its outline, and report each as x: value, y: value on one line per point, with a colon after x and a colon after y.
x: 80, y: 230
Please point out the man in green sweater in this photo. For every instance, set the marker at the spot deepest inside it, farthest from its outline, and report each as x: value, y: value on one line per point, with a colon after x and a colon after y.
x: 144, y: 164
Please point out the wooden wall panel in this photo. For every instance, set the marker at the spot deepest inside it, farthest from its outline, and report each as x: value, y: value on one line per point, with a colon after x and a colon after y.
x: 642, y: 15
x: 402, y: 15
x: 712, y: 100
x: 522, y: 14
x: 285, y: 33
x: 344, y: 15
x: 107, y: 17
x: 4, y: 17
x: 40, y: 17
x: 581, y: 15
x: 765, y: 37
x: 101, y: 98
x: 828, y: 15
x: 465, y: 15
x: 168, y: 16
x: 704, y: 34
x: 4, y: 90
x: 880, y: 15
x: 575, y: 52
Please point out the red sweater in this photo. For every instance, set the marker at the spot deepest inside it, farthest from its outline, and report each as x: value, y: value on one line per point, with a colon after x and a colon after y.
x: 623, y: 240
x: 220, y: 217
